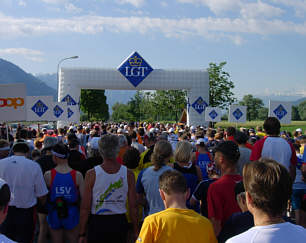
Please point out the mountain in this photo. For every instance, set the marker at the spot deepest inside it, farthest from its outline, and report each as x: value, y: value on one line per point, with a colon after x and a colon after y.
x: 11, y: 73
x: 296, y: 103
x: 295, y: 99
x: 112, y: 96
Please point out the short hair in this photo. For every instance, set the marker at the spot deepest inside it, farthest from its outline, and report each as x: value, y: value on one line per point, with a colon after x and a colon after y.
x: 5, y: 196
x: 230, y: 151
x: 62, y: 149
x: 133, y: 134
x: 183, y: 152
x: 162, y: 150
x: 211, y: 133
x: 272, y: 126
x: 240, y: 137
x: 269, y: 185
x: 4, y: 144
x: 172, y: 182
x: 21, y: 146
x: 109, y: 146
x: 131, y: 158
x: 230, y: 131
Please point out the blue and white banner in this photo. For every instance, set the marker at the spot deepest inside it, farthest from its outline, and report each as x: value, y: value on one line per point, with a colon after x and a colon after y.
x: 39, y: 108
x: 212, y: 114
x: 237, y: 113
x: 281, y: 110
x: 135, y: 69
x: 59, y: 111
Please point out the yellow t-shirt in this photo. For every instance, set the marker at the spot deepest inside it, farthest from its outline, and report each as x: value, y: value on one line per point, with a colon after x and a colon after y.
x: 175, y: 225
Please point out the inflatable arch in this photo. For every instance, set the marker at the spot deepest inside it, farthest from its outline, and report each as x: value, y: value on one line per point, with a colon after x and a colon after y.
x: 135, y: 74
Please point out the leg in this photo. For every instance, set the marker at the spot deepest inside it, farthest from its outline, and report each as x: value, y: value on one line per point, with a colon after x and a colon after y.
x: 57, y: 235
x: 72, y: 235
x: 43, y: 228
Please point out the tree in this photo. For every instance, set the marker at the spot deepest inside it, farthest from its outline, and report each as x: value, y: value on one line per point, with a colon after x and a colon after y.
x: 295, y: 113
x: 220, y: 86
x: 263, y: 113
x: 253, y: 106
x: 302, y: 110
x: 93, y: 102
x: 121, y: 113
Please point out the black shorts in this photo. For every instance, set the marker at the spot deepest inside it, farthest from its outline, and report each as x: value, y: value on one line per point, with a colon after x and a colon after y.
x: 20, y: 224
x: 107, y: 228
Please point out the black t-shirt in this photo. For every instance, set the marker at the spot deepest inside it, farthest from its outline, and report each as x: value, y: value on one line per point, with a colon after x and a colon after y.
x: 46, y: 163
x: 77, y: 162
x: 235, y: 225
x: 200, y: 194
x: 94, y: 161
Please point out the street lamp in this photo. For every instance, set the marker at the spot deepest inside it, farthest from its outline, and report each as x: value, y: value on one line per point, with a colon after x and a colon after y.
x: 58, y: 66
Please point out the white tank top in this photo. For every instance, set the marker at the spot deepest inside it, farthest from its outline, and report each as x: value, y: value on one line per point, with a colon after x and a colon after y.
x: 110, y: 191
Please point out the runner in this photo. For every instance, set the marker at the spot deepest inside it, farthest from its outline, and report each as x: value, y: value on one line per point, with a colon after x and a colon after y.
x: 176, y: 223
x: 5, y: 196
x: 241, y: 138
x: 201, y: 157
x: 26, y: 182
x: 268, y: 188
x: 183, y: 164
x: 147, y: 182
x: 221, y: 194
x: 107, y: 188
x: 66, y: 187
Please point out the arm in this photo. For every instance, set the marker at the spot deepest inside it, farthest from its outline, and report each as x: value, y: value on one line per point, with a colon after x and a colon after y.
x: 141, y: 199
x: 199, y: 173
x: 86, y: 201
x: 132, y: 201
x: 214, y: 203
x: 193, y: 158
x: 80, y: 183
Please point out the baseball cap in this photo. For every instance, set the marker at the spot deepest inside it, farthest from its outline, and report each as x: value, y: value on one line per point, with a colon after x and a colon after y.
x: 299, y: 130
x: 199, y: 141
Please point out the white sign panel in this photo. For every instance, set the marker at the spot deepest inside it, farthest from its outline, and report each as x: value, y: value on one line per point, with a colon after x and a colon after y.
x: 72, y: 113
x: 212, y: 114
x: 59, y: 111
x: 281, y: 110
x: 12, y: 102
x: 39, y: 108
x: 237, y: 113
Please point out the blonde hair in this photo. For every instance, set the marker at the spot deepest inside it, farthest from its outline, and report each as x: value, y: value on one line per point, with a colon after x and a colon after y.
x: 183, y: 152
x: 162, y: 150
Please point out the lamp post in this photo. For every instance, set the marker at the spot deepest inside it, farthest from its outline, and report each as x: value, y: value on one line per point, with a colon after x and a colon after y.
x: 58, y: 66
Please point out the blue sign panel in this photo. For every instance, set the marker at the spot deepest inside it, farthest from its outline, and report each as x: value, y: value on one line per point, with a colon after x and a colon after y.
x: 58, y: 111
x: 280, y: 112
x: 70, y: 113
x: 199, y: 105
x: 237, y: 114
x: 39, y: 108
x: 213, y: 114
x: 69, y: 100
x: 135, y: 69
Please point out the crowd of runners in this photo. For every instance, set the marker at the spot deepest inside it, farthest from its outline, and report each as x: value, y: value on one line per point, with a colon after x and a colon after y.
x: 152, y: 182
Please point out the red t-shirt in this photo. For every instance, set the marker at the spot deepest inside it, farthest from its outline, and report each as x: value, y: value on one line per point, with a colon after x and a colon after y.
x: 221, y: 198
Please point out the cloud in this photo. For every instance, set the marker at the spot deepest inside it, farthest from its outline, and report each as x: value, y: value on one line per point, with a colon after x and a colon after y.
x: 135, y: 3
x: 298, y: 5
x: 22, y: 3
x: 216, y: 6
x: 209, y: 28
x: 70, y: 8
x: 260, y: 10
x: 54, y: 1
x: 164, y: 4
x: 30, y: 54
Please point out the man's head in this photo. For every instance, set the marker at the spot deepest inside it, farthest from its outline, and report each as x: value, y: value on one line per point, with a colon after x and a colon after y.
x: 230, y: 131
x: 109, y: 146
x: 21, y: 147
x: 226, y: 154
x: 240, y: 137
x: 268, y: 187
x: 272, y: 126
x: 60, y: 153
x: 173, y: 186
x: 5, y: 196
x: 240, y: 196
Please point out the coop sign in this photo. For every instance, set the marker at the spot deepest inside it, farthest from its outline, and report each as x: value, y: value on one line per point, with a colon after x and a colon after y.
x: 135, y: 69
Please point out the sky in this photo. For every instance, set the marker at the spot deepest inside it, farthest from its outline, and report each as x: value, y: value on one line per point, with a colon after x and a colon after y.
x: 262, y: 41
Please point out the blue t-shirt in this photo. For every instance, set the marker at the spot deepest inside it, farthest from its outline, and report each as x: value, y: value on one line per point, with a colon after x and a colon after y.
x: 147, y: 183
x: 202, y: 161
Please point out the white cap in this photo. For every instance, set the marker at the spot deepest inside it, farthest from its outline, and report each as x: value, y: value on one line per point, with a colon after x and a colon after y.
x: 171, y: 130
x: 200, y: 140
x: 299, y: 130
